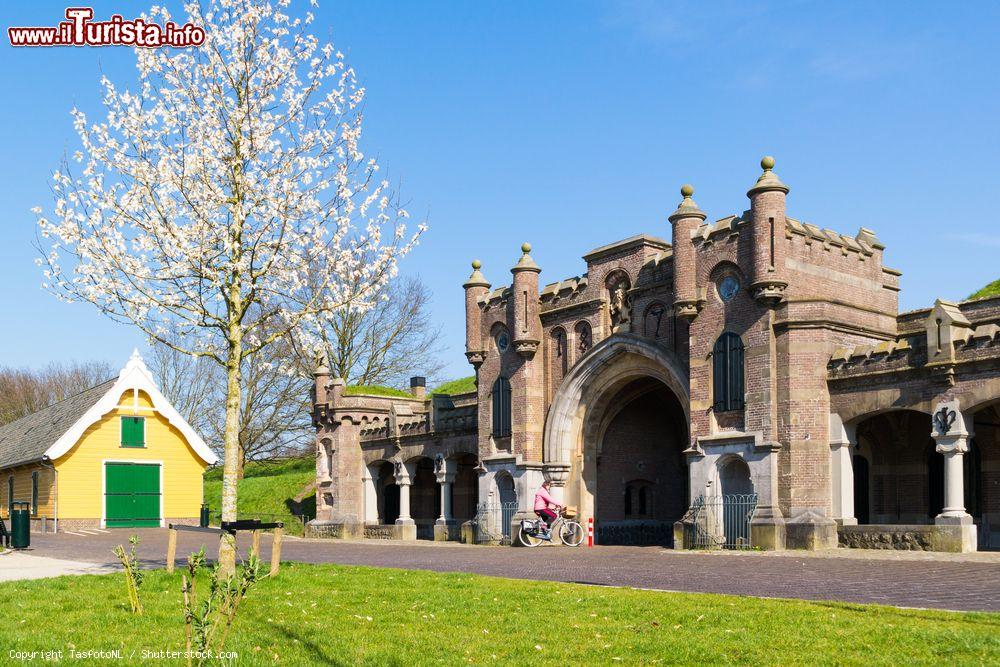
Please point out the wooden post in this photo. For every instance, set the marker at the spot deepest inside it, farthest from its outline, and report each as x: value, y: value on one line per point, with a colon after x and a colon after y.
x: 256, y: 543
x: 171, y: 549
x: 276, y: 551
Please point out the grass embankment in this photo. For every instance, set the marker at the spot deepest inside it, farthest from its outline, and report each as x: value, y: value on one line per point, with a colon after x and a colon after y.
x: 459, y: 386
x: 325, y: 614
x: 376, y: 390
x: 272, y: 491
x: 993, y: 289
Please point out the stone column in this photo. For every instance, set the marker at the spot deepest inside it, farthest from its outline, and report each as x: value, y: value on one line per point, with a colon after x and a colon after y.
x: 406, y: 527
x: 370, y: 479
x: 843, y: 440
x: 445, y: 471
x: 956, y: 531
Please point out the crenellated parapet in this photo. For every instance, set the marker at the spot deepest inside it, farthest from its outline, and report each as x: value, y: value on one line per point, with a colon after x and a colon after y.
x: 935, y: 341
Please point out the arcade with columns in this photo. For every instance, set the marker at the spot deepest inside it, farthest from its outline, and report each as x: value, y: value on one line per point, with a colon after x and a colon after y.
x: 758, y: 357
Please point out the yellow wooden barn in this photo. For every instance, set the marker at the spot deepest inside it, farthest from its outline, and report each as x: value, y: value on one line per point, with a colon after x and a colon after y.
x: 114, y: 455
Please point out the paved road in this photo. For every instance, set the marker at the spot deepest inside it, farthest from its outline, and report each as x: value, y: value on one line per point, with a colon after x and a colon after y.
x: 17, y: 565
x: 970, y: 582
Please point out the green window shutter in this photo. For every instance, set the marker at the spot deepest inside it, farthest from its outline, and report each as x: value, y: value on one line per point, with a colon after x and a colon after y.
x: 133, y: 432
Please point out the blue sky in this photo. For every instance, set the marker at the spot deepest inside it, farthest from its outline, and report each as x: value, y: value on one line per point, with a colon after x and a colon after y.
x: 571, y: 125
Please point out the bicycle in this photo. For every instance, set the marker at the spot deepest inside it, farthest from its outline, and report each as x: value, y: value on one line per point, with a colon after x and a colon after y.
x: 570, y: 532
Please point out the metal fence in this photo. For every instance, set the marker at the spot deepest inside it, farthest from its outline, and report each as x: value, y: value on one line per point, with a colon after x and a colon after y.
x: 491, y: 524
x: 720, y: 522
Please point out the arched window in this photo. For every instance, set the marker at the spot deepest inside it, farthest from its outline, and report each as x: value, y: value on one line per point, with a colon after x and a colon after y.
x: 501, y: 407
x: 727, y: 376
x: 637, y: 497
x: 560, y: 353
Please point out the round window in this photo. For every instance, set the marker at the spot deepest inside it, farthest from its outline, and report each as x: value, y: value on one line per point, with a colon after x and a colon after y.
x: 729, y: 287
x: 503, y: 341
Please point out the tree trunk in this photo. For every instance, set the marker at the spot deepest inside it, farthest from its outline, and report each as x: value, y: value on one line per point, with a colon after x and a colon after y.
x: 242, y: 464
x: 232, y: 455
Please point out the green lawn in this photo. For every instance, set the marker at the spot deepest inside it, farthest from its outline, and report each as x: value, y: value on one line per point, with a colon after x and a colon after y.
x: 316, y: 614
x: 270, y: 491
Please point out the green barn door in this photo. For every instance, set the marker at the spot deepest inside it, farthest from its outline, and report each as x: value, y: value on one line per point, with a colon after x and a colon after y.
x: 132, y: 494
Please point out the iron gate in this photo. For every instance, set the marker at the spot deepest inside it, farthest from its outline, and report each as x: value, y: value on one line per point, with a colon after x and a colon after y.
x: 721, y: 522
x: 492, y: 522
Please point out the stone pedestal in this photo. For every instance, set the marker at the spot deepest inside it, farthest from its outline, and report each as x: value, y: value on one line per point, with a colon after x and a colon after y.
x: 446, y: 531
x: 767, y: 530
x: 812, y: 531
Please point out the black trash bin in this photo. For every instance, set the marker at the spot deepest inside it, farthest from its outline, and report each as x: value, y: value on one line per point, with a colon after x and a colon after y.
x: 204, y: 516
x: 20, y: 525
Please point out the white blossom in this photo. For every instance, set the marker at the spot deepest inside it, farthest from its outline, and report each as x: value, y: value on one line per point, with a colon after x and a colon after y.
x: 226, y: 200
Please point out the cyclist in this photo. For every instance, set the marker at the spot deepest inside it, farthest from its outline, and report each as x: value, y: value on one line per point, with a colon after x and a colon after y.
x: 543, y: 504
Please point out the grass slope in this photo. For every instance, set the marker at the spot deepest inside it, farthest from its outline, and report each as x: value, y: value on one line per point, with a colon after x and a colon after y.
x: 326, y: 614
x: 376, y: 390
x: 270, y: 491
x: 993, y: 289
x: 459, y: 386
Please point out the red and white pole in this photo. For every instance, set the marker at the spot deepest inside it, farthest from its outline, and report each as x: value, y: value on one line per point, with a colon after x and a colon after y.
x: 590, y: 532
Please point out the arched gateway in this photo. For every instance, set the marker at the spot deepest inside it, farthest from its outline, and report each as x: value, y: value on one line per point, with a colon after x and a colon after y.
x: 615, y: 438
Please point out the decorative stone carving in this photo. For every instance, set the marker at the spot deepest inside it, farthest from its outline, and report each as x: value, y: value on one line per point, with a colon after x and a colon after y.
x: 619, y: 303
x: 584, y: 337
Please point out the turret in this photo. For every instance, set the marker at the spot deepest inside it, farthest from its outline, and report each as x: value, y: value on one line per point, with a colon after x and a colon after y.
x: 476, y: 288
x: 527, y: 324
x: 685, y: 221
x: 321, y: 378
x: 767, y: 210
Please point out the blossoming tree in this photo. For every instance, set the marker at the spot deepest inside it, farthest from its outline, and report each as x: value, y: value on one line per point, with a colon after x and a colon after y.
x: 226, y: 202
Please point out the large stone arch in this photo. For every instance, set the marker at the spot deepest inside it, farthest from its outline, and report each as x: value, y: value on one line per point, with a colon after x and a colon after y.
x: 609, y: 366
x: 582, y: 408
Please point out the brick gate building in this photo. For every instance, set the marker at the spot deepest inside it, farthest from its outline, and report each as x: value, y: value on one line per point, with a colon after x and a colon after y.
x: 758, y: 356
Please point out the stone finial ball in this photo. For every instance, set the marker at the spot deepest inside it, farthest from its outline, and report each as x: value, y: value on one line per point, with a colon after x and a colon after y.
x: 687, y: 190
x: 525, y: 248
x: 767, y: 162
x: 476, y: 264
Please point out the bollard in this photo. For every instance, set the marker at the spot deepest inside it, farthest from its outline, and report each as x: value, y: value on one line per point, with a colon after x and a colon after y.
x: 276, y: 551
x: 171, y: 549
x: 590, y: 532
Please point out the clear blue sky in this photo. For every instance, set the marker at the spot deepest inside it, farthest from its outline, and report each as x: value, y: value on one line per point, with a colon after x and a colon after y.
x: 572, y: 124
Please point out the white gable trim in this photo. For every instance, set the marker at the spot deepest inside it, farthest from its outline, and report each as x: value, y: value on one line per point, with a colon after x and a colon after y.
x: 134, y: 376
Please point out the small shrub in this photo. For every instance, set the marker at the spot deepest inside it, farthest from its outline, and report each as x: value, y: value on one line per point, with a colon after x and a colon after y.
x: 207, y: 622
x: 133, y: 575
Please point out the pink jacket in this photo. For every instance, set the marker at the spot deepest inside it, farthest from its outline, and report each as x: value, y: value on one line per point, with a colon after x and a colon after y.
x: 543, y: 499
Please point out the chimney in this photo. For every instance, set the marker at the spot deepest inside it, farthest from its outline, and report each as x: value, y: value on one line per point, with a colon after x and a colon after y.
x: 418, y: 386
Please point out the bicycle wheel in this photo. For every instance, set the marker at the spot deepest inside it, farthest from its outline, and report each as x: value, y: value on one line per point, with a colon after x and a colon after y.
x: 571, y: 533
x: 527, y: 539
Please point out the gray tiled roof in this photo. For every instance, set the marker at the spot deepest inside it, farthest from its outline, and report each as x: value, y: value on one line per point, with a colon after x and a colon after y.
x: 27, y: 439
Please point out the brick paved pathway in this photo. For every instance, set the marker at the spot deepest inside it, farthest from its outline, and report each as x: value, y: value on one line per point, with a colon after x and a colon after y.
x: 970, y: 582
